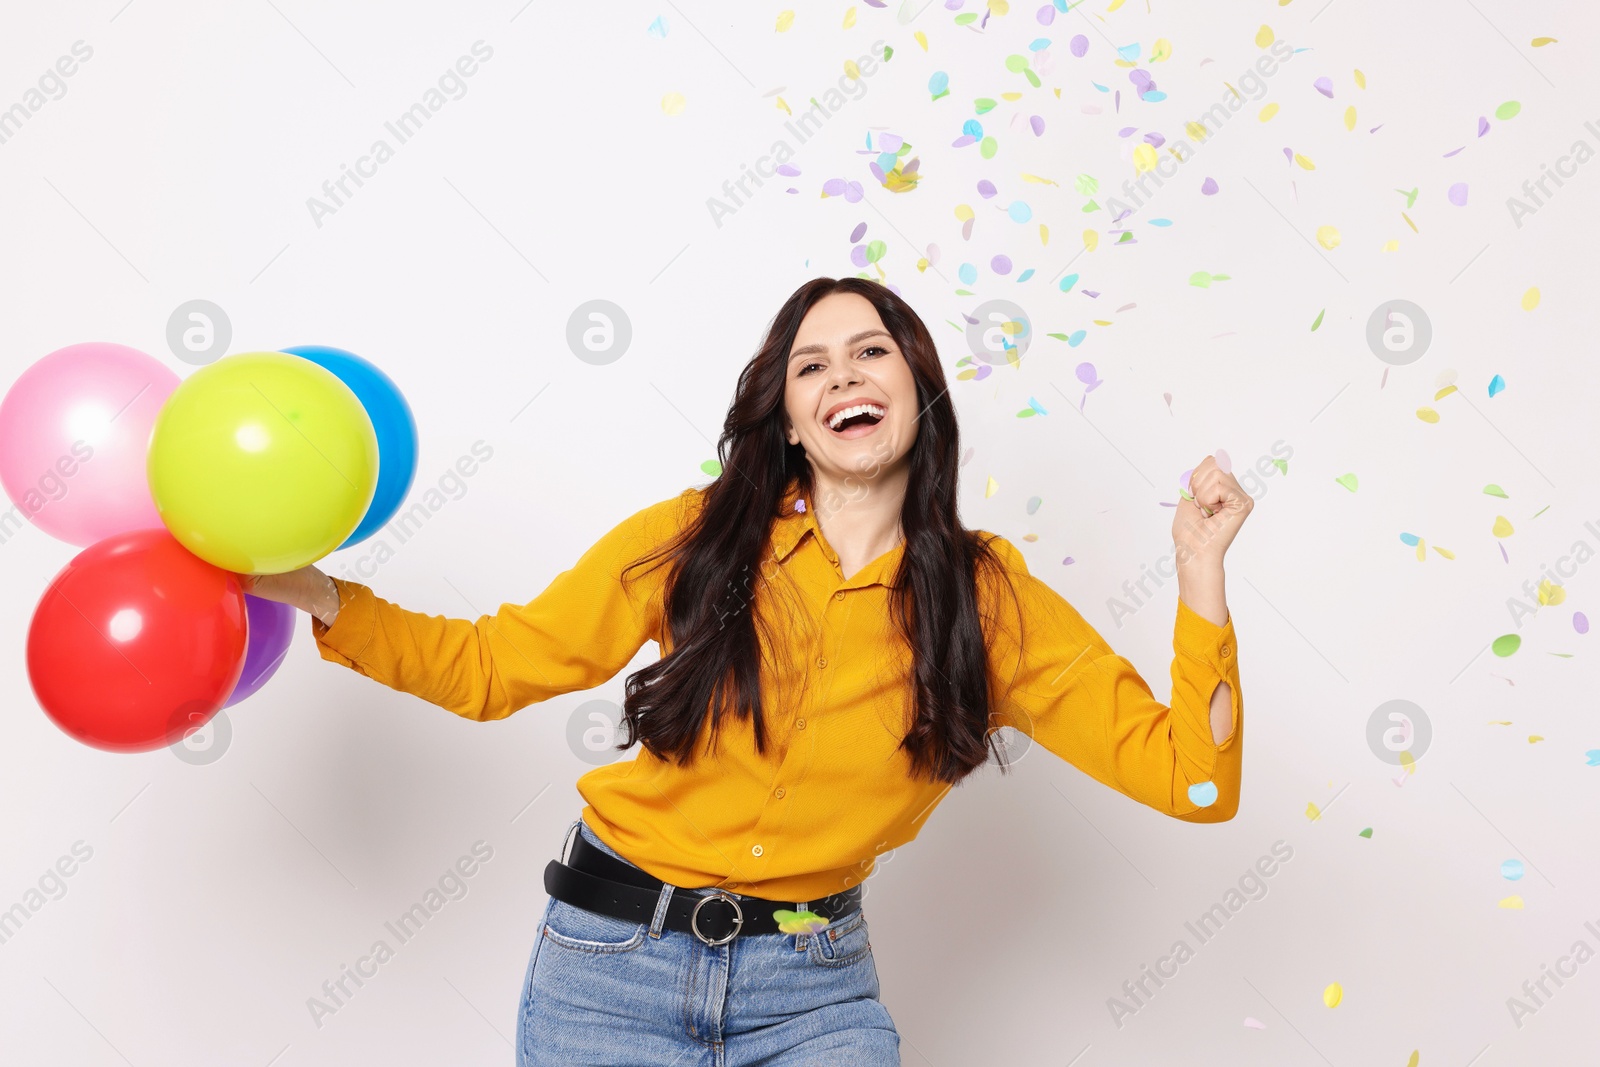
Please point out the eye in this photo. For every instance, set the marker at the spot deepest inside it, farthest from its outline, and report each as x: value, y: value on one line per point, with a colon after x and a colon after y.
x: 874, y: 348
x: 806, y: 369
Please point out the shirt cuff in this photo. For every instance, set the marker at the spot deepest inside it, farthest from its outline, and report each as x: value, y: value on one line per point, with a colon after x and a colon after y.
x: 351, y: 632
x: 1201, y: 639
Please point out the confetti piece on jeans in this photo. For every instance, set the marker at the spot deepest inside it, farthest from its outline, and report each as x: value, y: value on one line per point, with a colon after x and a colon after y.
x: 1203, y: 794
x: 1332, y: 995
x: 799, y: 922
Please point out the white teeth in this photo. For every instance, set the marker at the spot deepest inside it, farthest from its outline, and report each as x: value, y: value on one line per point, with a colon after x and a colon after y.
x: 845, y: 413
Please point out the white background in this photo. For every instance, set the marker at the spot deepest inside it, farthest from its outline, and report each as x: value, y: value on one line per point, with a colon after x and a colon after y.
x: 219, y: 897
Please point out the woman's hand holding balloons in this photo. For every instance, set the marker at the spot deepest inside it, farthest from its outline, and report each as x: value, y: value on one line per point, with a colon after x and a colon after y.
x: 306, y: 588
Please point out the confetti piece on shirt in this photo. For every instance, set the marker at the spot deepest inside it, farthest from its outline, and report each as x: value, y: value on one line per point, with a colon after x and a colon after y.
x: 1203, y: 794
x: 1332, y: 995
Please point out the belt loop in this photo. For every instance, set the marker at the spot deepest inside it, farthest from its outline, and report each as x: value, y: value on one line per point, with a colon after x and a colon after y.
x: 659, y: 920
x: 562, y: 854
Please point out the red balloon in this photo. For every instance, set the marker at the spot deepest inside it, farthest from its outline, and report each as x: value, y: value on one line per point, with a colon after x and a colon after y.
x: 137, y: 642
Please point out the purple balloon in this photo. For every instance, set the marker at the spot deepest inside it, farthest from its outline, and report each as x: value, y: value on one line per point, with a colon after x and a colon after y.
x: 271, y: 626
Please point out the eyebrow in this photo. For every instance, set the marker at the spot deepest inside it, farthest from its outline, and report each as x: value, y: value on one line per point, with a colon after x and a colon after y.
x: 811, y: 350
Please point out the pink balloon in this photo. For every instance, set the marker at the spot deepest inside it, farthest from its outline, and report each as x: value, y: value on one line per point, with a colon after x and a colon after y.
x: 74, y: 433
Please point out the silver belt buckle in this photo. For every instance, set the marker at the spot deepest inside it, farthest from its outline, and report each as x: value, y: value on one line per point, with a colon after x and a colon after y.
x: 738, y: 917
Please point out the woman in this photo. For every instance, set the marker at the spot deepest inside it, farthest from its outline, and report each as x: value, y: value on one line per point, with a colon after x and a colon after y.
x: 815, y: 698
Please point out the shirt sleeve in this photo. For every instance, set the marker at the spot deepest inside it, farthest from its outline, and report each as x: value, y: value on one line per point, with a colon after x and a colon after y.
x: 1073, y: 695
x: 580, y: 631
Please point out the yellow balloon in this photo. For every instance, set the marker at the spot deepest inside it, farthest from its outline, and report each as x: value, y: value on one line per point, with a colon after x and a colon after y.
x: 262, y: 462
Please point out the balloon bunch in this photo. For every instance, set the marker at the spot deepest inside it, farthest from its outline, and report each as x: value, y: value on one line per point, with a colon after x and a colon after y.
x: 259, y: 463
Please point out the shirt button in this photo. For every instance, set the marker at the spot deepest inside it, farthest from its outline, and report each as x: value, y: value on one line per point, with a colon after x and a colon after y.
x: 822, y: 661
x: 756, y: 850
x: 1226, y: 650
x: 799, y: 724
x: 779, y: 793
x: 839, y: 595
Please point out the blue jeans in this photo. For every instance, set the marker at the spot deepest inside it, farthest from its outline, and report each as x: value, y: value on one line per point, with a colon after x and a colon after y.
x: 605, y: 991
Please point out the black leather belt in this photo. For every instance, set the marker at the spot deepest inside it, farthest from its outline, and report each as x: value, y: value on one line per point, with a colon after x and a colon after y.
x: 599, y: 882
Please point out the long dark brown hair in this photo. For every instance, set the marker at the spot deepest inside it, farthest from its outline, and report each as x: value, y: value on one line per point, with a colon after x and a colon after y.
x: 714, y: 663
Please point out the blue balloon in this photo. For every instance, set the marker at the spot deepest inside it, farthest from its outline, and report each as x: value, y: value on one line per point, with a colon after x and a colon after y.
x: 391, y: 420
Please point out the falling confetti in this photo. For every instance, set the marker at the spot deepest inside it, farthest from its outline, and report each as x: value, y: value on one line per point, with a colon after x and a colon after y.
x: 1328, y: 236
x: 1511, y: 870
x: 1349, y: 481
x: 1506, y: 645
x: 1318, y: 321
x: 1458, y: 194
x: 1513, y: 903
x: 1507, y: 110
x: 1332, y: 995
x: 1530, y: 299
x: 712, y: 468
x: 1254, y: 1024
x: 673, y: 103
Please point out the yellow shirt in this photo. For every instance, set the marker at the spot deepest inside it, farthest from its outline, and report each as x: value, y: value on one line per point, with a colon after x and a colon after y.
x: 809, y: 818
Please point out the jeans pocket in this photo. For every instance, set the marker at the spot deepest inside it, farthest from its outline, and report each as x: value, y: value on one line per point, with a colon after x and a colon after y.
x: 583, y: 930
x: 841, y: 943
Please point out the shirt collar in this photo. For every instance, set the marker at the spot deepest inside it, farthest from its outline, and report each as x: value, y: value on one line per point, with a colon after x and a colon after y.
x: 794, y: 523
